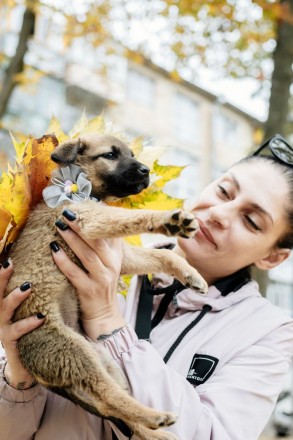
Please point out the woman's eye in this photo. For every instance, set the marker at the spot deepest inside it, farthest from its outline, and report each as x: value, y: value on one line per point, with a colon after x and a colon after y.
x: 223, y: 192
x: 252, y: 223
x: 109, y: 156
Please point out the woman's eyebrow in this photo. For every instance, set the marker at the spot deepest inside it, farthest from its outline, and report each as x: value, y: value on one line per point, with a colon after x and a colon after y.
x: 255, y: 206
x: 235, y: 181
x: 262, y: 211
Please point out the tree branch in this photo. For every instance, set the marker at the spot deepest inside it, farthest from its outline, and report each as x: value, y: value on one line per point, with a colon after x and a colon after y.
x: 17, y: 62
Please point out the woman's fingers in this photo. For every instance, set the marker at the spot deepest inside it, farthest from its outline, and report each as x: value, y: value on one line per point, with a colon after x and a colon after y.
x: 11, y: 332
x: 5, y: 274
x: 109, y: 251
x: 77, y: 277
x: 12, y: 301
x: 22, y: 327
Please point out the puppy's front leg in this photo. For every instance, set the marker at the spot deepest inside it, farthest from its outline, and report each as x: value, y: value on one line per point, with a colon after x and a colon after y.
x: 142, y: 261
x: 99, y: 220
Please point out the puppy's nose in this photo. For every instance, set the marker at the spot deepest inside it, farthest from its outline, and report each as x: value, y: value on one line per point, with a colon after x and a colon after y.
x: 143, y: 169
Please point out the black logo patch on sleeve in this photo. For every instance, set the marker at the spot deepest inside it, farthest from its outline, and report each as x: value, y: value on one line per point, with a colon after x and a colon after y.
x: 201, y: 368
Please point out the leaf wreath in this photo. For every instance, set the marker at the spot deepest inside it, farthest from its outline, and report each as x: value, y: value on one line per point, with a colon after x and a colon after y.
x: 21, y: 186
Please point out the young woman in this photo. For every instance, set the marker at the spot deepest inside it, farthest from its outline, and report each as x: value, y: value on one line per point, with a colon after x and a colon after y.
x: 218, y: 361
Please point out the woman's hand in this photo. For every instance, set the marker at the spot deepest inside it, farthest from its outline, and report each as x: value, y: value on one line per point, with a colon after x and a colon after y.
x: 16, y: 375
x: 96, y: 288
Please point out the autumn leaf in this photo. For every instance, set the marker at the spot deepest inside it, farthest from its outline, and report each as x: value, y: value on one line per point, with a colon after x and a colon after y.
x: 15, y: 204
x: 166, y: 173
x: 39, y: 165
x: 95, y: 125
x: 137, y: 145
x: 79, y: 126
x: 55, y: 128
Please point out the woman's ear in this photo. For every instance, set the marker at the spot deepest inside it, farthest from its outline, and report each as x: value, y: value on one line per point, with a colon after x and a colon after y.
x: 276, y: 257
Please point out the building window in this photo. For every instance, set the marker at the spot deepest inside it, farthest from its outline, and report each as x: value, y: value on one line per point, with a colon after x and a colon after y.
x: 187, y: 185
x: 140, y: 88
x: 225, y: 129
x: 186, y: 118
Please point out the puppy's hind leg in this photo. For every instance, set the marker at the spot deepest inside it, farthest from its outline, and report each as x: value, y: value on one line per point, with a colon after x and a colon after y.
x: 127, y: 429
x: 88, y: 405
x: 60, y: 358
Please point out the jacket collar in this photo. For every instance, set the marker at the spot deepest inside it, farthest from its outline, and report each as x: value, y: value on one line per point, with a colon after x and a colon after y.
x: 233, y: 282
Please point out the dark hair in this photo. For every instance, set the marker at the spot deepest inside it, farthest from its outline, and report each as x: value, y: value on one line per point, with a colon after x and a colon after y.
x: 286, y: 241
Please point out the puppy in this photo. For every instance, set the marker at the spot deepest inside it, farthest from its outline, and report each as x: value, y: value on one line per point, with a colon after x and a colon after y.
x: 57, y: 354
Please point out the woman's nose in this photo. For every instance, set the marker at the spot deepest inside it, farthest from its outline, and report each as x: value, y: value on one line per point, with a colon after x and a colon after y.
x: 219, y: 216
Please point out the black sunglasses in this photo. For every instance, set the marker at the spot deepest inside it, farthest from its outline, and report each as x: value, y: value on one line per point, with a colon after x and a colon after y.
x: 279, y: 148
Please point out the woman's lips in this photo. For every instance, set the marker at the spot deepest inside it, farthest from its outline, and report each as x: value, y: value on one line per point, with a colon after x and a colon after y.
x: 206, y: 233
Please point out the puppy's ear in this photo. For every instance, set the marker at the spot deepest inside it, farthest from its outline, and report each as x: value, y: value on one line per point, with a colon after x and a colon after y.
x: 67, y: 151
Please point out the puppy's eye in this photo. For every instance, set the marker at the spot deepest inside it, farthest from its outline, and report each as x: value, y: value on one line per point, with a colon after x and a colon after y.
x: 110, y: 156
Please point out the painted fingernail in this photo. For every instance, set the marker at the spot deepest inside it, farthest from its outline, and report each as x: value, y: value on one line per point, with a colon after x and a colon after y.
x: 61, y: 225
x: 6, y: 263
x: 25, y: 286
x: 54, y: 246
x: 69, y: 215
x: 40, y: 315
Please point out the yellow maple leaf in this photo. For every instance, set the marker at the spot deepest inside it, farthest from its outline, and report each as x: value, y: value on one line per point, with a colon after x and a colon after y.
x: 137, y: 145
x: 55, y: 128
x: 15, y: 204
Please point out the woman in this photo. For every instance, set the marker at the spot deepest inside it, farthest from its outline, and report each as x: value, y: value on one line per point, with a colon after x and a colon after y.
x: 218, y: 361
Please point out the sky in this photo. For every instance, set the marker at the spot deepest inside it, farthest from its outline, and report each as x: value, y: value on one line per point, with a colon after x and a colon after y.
x: 239, y: 93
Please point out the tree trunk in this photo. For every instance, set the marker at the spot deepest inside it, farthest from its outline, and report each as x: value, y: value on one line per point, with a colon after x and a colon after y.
x: 281, y: 79
x: 17, y: 62
x: 279, y: 100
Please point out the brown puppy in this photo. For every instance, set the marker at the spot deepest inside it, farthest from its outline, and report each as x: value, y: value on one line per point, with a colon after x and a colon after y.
x: 56, y: 354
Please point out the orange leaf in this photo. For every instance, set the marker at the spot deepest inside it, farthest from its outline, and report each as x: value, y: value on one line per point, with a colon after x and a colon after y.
x: 39, y: 164
x: 5, y: 227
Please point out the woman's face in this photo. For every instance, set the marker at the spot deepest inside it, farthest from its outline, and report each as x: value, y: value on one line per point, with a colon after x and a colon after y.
x: 241, y: 217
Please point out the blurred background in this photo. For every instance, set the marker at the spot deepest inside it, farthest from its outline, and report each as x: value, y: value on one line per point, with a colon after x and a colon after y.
x: 207, y: 80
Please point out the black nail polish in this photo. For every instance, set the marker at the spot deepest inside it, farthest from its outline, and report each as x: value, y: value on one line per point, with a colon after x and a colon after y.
x: 40, y: 315
x: 54, y: 246
x: 25, y: 286
x: 61, y: 225
x: 69, y: 215
x: 5, y: 263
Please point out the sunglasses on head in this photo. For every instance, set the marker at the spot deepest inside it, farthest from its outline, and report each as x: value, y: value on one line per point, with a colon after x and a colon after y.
x: 279, y: 148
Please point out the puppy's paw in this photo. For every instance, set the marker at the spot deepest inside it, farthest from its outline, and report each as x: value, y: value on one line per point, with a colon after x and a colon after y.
x: 196, y: 282
x: 180, y: 223
x: 161, y: 420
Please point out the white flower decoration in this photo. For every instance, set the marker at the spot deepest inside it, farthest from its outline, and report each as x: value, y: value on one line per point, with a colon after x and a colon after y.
x: 70, y: 184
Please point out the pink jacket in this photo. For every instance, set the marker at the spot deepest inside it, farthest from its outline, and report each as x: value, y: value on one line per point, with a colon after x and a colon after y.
x: 222, y: 380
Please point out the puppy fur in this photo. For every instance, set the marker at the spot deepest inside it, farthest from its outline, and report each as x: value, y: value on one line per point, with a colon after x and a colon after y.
x: 57, y: 354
